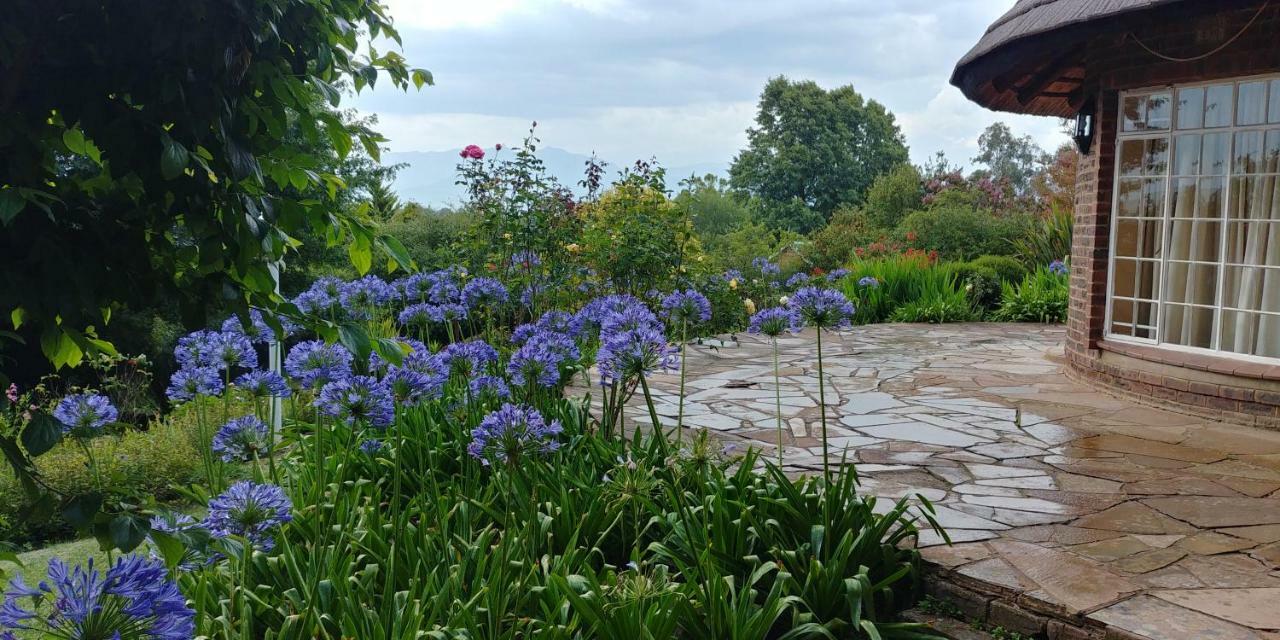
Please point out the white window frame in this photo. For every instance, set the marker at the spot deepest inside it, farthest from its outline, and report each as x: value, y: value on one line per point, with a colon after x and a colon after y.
x: 1170, y: 134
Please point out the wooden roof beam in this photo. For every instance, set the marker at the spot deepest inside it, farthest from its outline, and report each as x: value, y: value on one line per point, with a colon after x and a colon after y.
x: 1047, y: 75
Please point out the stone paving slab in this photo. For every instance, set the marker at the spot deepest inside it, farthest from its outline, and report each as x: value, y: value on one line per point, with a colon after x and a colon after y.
x: 1074, y: 503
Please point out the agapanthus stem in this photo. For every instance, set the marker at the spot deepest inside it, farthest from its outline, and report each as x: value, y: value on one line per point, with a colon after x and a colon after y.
x: 822, y: 404
x: 777, y: 395
x: 684, y: 341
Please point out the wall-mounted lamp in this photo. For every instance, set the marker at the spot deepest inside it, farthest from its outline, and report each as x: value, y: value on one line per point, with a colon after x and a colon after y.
x: 1085, y: 124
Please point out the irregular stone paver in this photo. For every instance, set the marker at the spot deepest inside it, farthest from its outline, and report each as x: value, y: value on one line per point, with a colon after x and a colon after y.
x: 1091, y: 505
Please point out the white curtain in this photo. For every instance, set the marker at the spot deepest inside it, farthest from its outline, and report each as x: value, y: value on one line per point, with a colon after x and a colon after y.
x: 1258, y: 244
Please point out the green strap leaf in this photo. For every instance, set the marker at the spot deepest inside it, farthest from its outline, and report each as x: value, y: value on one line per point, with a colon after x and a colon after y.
x: 173, y: 158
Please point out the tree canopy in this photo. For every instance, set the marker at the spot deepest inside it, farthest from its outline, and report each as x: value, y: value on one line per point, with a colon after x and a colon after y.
x: 146, y: 151
x: 816, y: 147
x: 1009, y: 158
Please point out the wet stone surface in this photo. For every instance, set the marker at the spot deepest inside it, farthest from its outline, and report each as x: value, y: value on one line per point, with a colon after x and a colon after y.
x: 1160, y: 524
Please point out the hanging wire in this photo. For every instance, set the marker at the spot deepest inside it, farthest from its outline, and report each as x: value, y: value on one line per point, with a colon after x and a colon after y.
x: 1203, y: 55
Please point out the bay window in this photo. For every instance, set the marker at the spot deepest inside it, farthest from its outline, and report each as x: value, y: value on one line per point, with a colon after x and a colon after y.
x: 1195, y: 236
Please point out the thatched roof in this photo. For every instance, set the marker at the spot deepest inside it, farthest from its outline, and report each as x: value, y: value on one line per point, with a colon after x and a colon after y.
x: 1031, y: 60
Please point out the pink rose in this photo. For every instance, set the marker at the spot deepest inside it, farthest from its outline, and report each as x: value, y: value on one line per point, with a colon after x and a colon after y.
x: 472, y: 152
x: 497, y: 147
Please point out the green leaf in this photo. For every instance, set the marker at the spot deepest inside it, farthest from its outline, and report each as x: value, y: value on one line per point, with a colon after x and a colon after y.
x: 396, y: 250
x: 11, y: 204
x: 421, y: 77
x: 74, y: 139
x: 171, y: 549
x: 361, y: 253
x: 356, y: 340
x: 60, y: 348
x: 42, y: 432
x: 391, y: 350
x: 17, y: 316
x: 80, y: 510
x: 128, y: 531
x: 173, y: 158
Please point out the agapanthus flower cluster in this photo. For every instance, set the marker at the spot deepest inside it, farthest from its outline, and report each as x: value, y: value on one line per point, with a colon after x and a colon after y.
x: 836, y: 274
x: 370, y: 446
x: 250, y: 511
x: 378, y: 365
x: 540, y: 360
x: 360, y: 297
x: 257, y: 331
x: 85, y: 412
x: 732, y: 275
x: 195, y: 349
x: 512, y: 433
x: 630, y: 353
x: 468, y: 359
x: 358, y: 400
x: 483, y: 292
x: 189, y: 382
x: 1058, y: 267
x: 313, y: 363
x: 411, y: 386
x: 550, y: 322
x: 688, y: 306
x: 774, y: 321
x: 822, y: 308
x: 264, y: 384
x: 868, y: 282
x: 134, y: 600
x: 321, y: 298
x: 797, y: 279
x: 437, y: 287
x: 242, y: 439
x: 489, y: 387
x: 232, y: 349
x: 591, y: 318
x: 765, y: 267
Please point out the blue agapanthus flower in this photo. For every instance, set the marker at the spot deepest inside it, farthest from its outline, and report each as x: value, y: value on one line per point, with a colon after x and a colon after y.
x: 313, y: 363
x: 418, y: 315
x: 822, y: 308
x: 731, y: 275
x: 550, y: 322
x: 590, y: 318
x: 249, y: 510
x: 772, y: 322
x: 630, y: 319
x: 264, y: 384
x: 836, y: 274
x: 85, y: 412
x: 468, y: 359
x: 196, y: 349
x: 358, y: 399
x: 489, y: 387
x: 626, y: 355
x: 189, y: 382
x: 765, y: 267
x: 797, y: 279
x: 231, y: 349
x: 512, y: 433
x: 1058, y: 267
x: 686, y: 306
x: 242, y: 439
x: 362, y: 296
x: 321, y: 298
x: 378, y: 365
x: 371, y: 446
x: 868, y: 282
x: 437, y: 287
x: 258, y: 331
x: 134, y: 600
x: 411, y: 386
x: 484, y: 292
x: 539, y: 361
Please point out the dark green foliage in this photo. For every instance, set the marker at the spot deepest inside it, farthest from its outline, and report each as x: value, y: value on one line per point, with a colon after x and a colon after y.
x: 144, y: 152
x: 434, y: 238
x: 833, y: 245
x: 1042, y: 297
x: 1047, y: 239
x: 959, y: 232
x: 820, y: 148
x: 1012, y: 160
x: 1007, y: 269
x: 981, y: 284
x: 714, y: 209
x: 936, y: 308
x: 893, y: 195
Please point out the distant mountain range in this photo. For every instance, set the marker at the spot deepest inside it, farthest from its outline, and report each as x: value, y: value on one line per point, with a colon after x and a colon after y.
x: 430, y: 175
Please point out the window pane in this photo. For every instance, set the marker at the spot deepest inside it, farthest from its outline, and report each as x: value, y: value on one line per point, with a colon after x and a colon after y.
x: 1186, y: 155
x: 1273, y: 105
x: 1141, y: 199
x: 1252, y: 288
x: 1251, y: 333
x: 1146, y: 112
x: 1191, y: 108
x: 1214, y: 152
x: 1255, y: 198
x: 1122, y: 314
x: 1136, y: 279
x: 1192, y: 282
x: 1251, y: 103
x: 1158, y: 109
x: 1197, y: 198
x: 1138, y: 238
x: 1131, y: 157
x: 1271, y: 152
x: 1217, y: 108
x: 1187, y: 326
x: 1248, y: 153
x: 1133, y: 113
x: 1146, y: 320
x: 1197, y: 241
x: 1156, y: 157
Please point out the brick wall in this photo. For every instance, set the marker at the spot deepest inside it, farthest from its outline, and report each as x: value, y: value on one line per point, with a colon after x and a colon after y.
x: 1212, y: 386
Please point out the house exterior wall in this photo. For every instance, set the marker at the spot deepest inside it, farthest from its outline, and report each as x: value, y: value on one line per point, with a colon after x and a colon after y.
x: 1213, y: 386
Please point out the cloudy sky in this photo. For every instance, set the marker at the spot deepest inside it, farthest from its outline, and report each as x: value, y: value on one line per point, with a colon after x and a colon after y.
x: 677, y: 79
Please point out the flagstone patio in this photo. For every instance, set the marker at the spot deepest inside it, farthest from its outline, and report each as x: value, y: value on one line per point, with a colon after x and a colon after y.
x: 1071, y: 511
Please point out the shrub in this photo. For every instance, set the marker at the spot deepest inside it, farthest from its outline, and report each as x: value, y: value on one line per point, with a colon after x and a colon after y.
x: 1041, y: 297
x: 433, y: 238
x: 1007, y: 269
x: 833, y: 245
x: 959, y: 232
x: 900, y: 280
x: 1047, y: 239
x: 638, y: 239
x: 981, y: 284
x: 137, y: 464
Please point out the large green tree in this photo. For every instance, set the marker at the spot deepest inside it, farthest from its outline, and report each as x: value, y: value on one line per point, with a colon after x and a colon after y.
x: 1009, y: 158
x: 815, y: 147
x: 145, y: 152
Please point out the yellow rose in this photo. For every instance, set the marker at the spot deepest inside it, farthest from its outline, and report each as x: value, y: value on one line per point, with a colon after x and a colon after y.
x: 506, y: 236
x: 750, y: 305
x: 733, y: 283
x: 572, y: 247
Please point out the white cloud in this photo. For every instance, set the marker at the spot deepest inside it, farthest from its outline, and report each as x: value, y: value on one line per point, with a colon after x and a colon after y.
x: 445, y: 15
x: 951, y: 123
